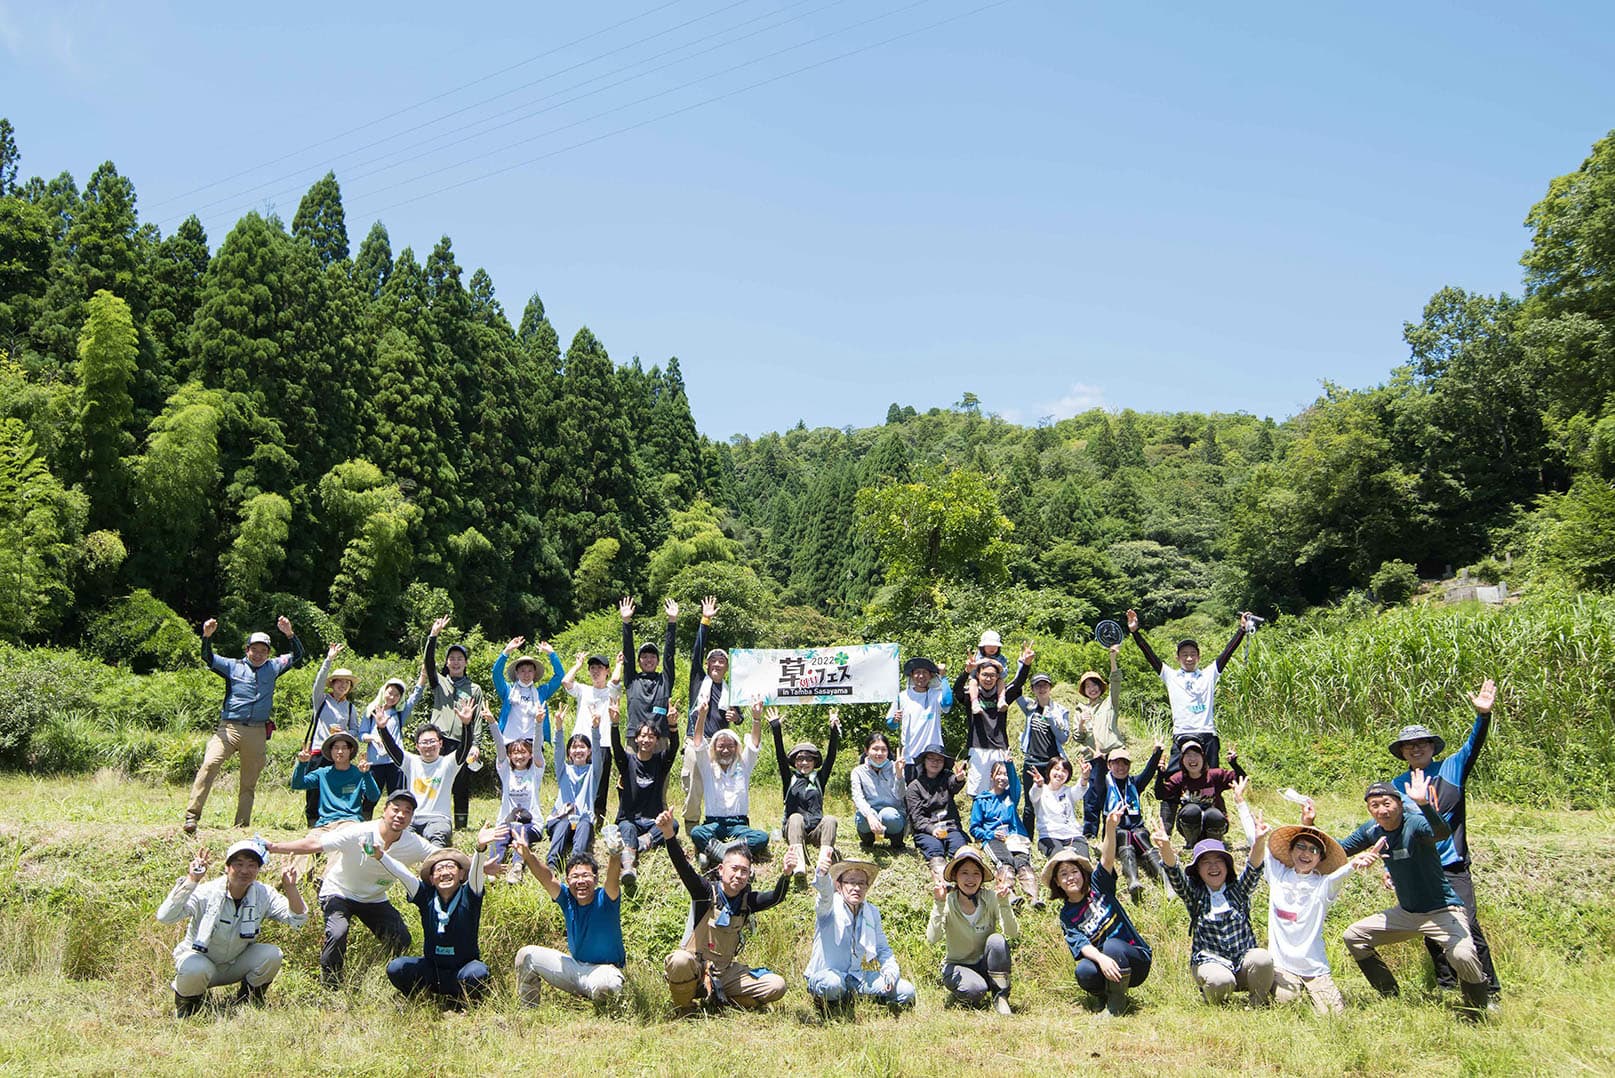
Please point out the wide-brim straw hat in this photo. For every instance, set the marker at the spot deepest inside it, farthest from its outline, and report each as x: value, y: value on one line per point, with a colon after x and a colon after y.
x: 340, y: 735
x: 1417, y: 732
x: 1104, y: 686
x: 841, y: 868
x: 971, y: 854
x: 528, y: 659
x: 1060, y: 857
x: 436, y: 856
x: 1282, y: 839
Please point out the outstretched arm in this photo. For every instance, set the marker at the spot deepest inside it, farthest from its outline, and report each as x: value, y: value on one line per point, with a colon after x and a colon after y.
x: 1233, y: 644
x: 1142, y: 642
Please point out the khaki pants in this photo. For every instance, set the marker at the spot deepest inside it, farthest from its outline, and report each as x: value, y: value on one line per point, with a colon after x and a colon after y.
x: 1289, y: 987
x: 694, y: 795
x: 1448, y: 928
x: 1255, y: 975
x: 739, y: 987
x: 196, y: 973
x: 798, y: 834
x: 537, y: 966
x: 230, y: 738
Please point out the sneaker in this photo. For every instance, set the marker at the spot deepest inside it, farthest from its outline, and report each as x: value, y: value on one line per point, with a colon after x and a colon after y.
x: 629, y: 880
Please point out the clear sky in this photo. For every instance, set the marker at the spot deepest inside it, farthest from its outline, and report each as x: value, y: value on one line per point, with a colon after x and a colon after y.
x: 1053, y: 205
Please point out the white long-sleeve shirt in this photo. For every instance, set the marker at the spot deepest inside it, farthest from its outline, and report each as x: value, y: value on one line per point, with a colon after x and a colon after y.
x: 234, y: 924
x: 727, y: 790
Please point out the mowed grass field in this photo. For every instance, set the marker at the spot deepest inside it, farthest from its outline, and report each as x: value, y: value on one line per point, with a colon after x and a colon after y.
x: 84, y: 862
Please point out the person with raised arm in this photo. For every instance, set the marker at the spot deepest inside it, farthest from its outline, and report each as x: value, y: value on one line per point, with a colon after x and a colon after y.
x: 593, y: 962
x: 355, y: 884
x: 388, y: 713
x: 647, y: 690
x: 804, y: 773
x: 982, y: 687
x: 522, y: 712
x: 641, y: 792
x: 1418, y: 747
x: 1094, y: 721
x: 340, y: 787
x: 709, y: 704
x: 1059, y: 804
x: 933, y: 814
x: 222, y: 916
x: 244, y: 717
x: 520, y: 763
x: 1306, y: 872
x: 429, y: 775
x: 1119, y: 788
x: 877, y: 795
x: 451, y: 686
x: 916, y: 714
x: 594, y: 698
x: 724, y: 768
x: 1426, y: 904
x: 334, y: 712
x: 976, y: 924
x: 1043, y: 737
x: 1111, y: 956
x: 578, y: 774
x: 447, y: 893
x: 1198, y: 790
x: 706, y: 964
x: 1191, y: 691
x: 1223, y: 953
x: 851, y: 956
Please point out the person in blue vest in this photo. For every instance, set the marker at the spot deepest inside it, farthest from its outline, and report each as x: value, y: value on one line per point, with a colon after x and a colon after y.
x: 1418, y: 747
x: 448, y: 894
x: 249, y: 695
x: 1116, y: 787
x: 1426, y: 904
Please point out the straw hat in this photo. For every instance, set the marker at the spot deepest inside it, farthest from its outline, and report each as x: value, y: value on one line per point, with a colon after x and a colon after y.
x: 1104, y: 686
x: 1063, y: 856
x: 1281, y: 839
x: 436, y: 856
x: 528, y: 660
x: 342, y: 672
x: 971, y: 854
x: 841, y: 868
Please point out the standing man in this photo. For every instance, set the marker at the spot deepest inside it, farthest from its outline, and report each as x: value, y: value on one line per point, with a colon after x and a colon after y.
x: 451, y: 686
x: 1418, y: 747
x: 916, y: 714
x: 356, y: 881
x: 1043, y: 738
x: 647, y: 690
x: 249, y: 695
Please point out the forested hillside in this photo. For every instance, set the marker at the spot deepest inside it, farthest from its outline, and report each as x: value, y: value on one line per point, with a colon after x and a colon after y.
x: 281, y: 421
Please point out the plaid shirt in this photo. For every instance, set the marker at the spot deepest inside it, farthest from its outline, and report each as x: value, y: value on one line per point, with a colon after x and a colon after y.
x: 1224, y: 939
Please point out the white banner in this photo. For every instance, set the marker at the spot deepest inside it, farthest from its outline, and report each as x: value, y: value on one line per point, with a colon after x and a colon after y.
x: 859, y: 674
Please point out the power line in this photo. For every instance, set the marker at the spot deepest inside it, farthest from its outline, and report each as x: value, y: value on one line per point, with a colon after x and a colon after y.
x: 420, y: 104
x: 304, y: 171
x: 694, y: 105
x: 411, y: 153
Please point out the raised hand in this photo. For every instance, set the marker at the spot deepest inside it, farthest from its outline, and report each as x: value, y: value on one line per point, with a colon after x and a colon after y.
x: 333, y: 651
x: 1309, y: 813
x: 773, y: 716
x: 199, y: 864
x: 210, y: 626
x: 709, y: 607
x: 363, y: 764
x: 288, y: 878
x: 835, y: 718
x: 284, y: 624
x: 1262, y: 826
x: 664, y: 823
x: 974, y: 660
x: 1158, y: 835
x: 960, y: 769
x: 1114, y: 817
x: 1086, y: 769
x: 790, y: 862
x: 940, y: 891
x: 518, y: 838
x: 1418, y: 787
x: 491, y: 833
x: 757, y: 710
x: 1369, y: 856
x: 1005, y: 886
x: 545, y: 648
x: 625, y: 608
x: 1132, y: 621
x: 1484, y: 699
x: 1037, y: 777
x: 305, y: 754
x: 671, y: 608
x: 1238, y: 788
x: 1028, y: 653
x: 440, y: 624
x: 515, y: 642
x: 613, y: 709
x: 466, y: 708
x: 1115, y: 653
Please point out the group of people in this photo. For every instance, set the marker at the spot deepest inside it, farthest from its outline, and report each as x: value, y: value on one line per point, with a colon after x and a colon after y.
x: 1073, y: 799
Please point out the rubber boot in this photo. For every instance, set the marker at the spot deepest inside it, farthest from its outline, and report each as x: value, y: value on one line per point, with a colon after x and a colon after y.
x: 1116, y: 996
x: 1000, y: 983
x: 1155, y: 867
x: 185, y: 1006
x: 629, y: 877
x: 801, y: 865
x: 252, y: 995
x: 1378, y: 975
x: 1129, y: 862
x: 1028, y: 883
x: 1476, y: 999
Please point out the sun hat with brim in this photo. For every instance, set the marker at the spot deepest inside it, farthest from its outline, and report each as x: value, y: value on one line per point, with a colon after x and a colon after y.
x: 841, y: 868
x: 1061, y: 857
x: 434, y: 858
x: 1094, y: 675
x: 971, y: 854
x: 990, y: 639
x: 807, y: 747
x: 1210, y: 847
x: 527, y: 660
x: 340, y: 735
x: 1280, y: 841
x: 247, y: 845
x: 933, y: 750
x: 1417, y: 732
x: 343, y: 673
x: 259, y: 638
x: 920, y: 663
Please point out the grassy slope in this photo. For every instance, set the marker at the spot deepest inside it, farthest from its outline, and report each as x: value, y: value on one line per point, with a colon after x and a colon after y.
x: 85, y: 861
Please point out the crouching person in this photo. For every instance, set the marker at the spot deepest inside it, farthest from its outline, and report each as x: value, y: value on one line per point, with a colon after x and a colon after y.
x: 221, y: 940
x: 707, y: 964
x: 1223, y: 953
x: 1111, y: 956
x: 851, y: 957
x: 448, y: 895
x: 592, y: 966
x: 977, y: 925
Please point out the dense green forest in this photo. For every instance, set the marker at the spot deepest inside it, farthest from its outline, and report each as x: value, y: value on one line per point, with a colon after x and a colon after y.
x: 361, y: 438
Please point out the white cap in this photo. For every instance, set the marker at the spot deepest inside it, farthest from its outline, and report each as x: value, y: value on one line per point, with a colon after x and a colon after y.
x: 247, y: 845
x: 989, y: 639
x: 259, y: 638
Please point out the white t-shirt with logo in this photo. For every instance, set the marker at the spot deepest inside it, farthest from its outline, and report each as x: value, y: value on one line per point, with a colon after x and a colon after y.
x: 355, y: 875
x: 592, y: 701
x: 432, y: 784
x: 1297, y: 906
x: 1190, y: 693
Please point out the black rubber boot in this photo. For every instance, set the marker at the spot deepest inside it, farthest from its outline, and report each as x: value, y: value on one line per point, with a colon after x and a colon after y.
x: 1129, y: 863
x: 252, y: 995
x: 1476, y: 999
x: 185, y: 1006
x: 1116, y: 996
x: 1378, y: 975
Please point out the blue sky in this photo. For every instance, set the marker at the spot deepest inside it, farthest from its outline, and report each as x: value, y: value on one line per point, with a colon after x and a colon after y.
x: 1052, y: 205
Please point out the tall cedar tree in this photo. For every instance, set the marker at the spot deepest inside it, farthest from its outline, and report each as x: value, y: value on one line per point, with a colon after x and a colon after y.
x: 374, y: 263
x: 320, y: 221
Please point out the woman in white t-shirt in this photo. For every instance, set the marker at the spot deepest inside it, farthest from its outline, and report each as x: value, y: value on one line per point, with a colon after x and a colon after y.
x: 1059, y: 807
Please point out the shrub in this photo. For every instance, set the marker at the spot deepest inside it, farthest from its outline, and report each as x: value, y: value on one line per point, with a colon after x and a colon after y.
x: 1394, y: 582
x: 142, y: 632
